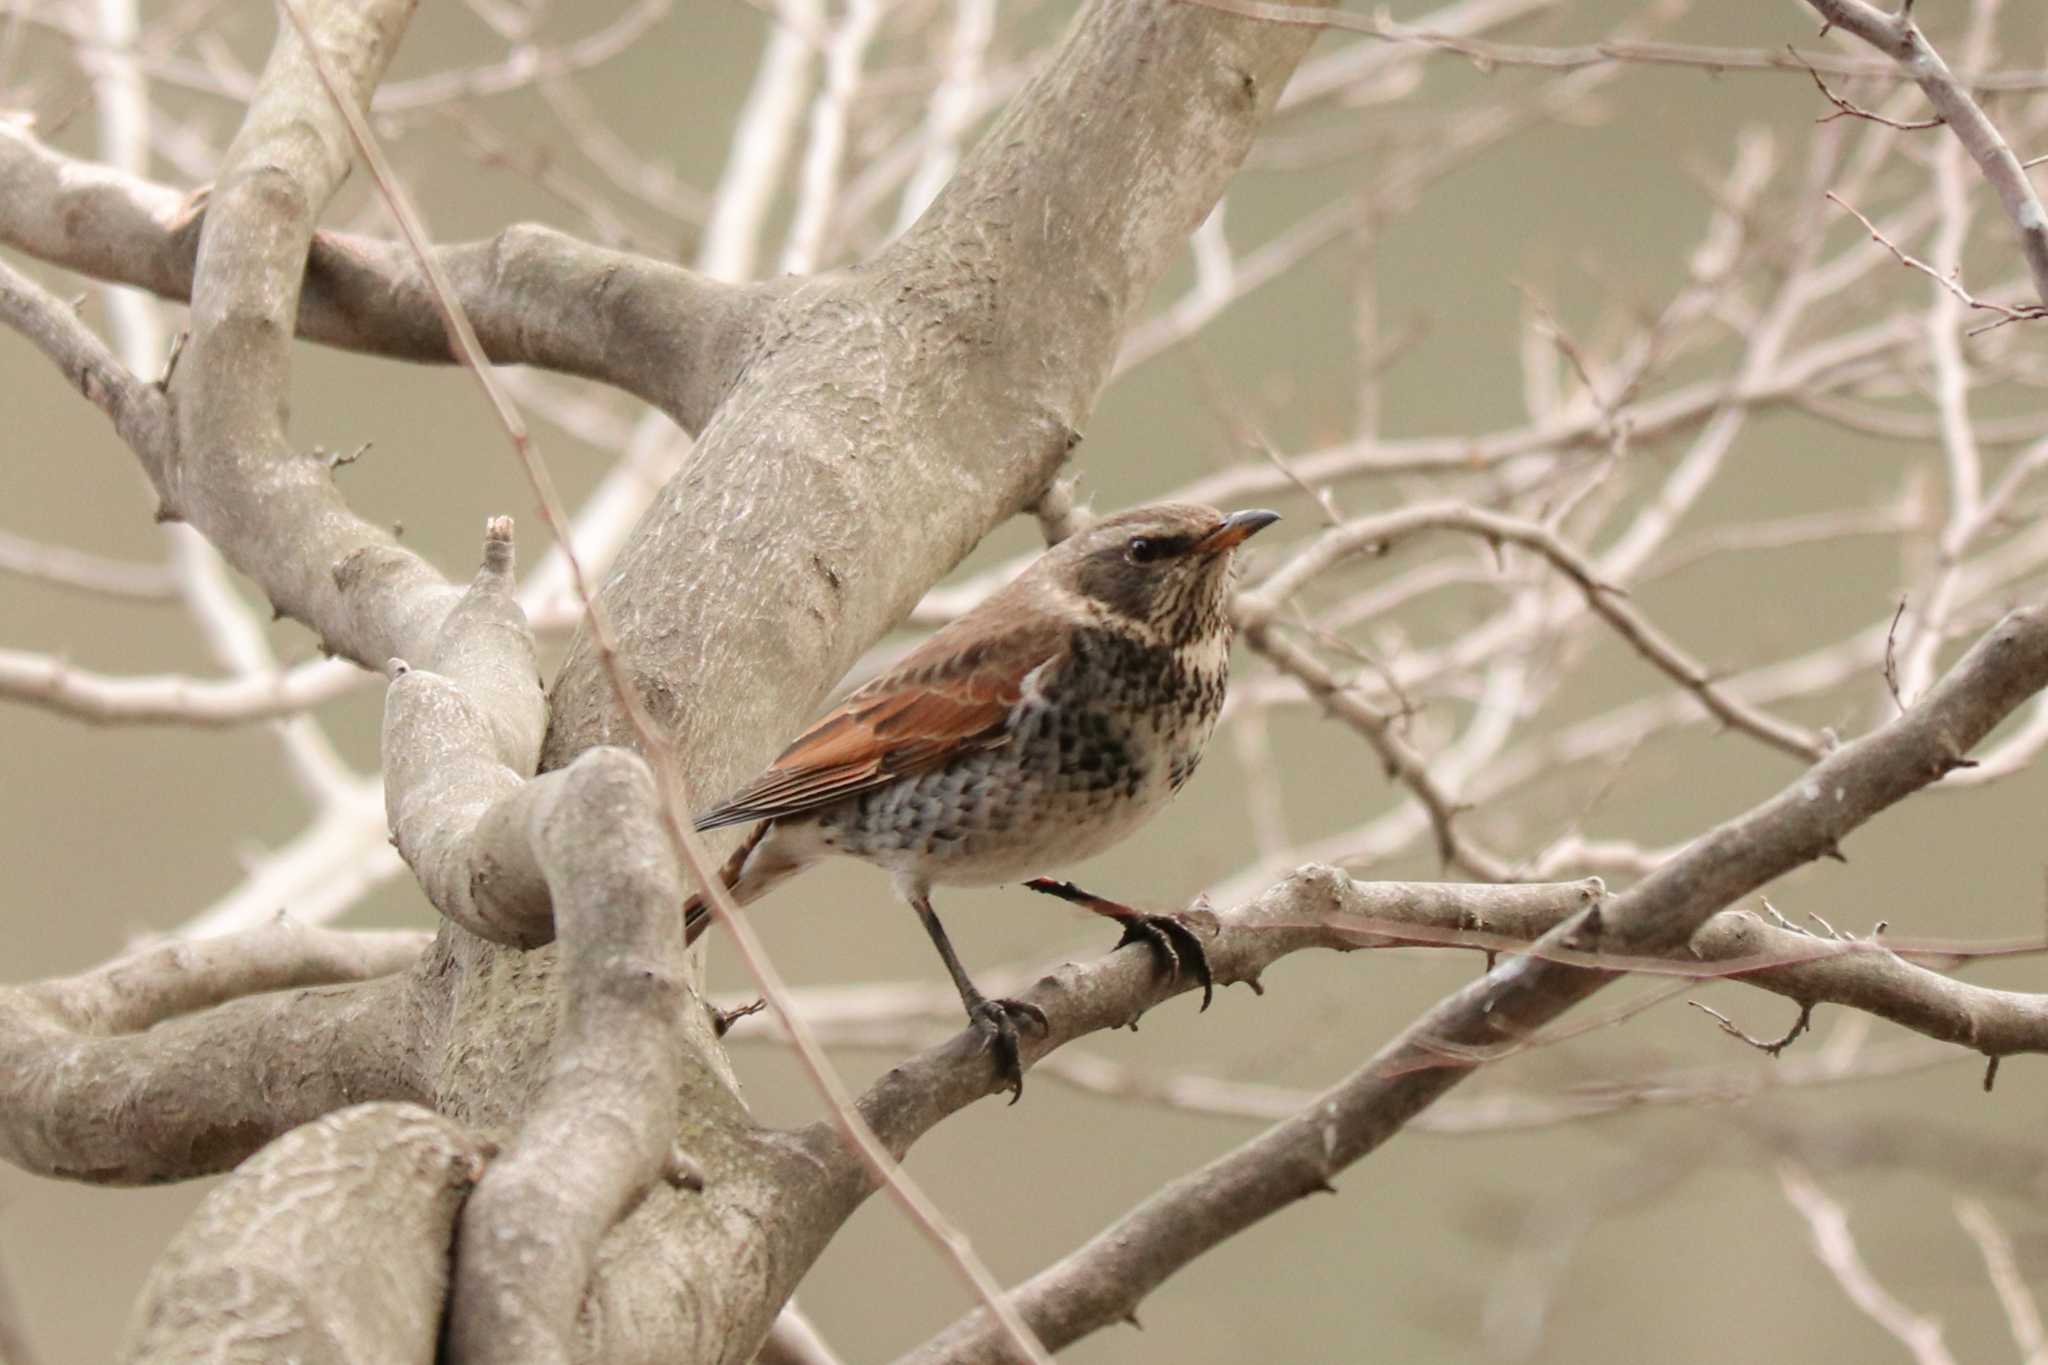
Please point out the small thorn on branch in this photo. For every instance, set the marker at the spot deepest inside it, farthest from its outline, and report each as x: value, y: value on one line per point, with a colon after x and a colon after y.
x: 1991, y: 1071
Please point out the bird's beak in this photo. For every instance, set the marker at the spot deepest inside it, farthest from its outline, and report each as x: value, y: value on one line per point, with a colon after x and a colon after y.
x: 1235, y: 530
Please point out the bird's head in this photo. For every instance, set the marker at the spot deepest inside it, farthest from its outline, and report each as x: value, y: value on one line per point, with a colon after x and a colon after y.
x: 1166, y: 567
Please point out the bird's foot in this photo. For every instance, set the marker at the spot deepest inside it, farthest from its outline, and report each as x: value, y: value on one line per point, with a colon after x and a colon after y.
x: 1173, y: 940
x: 1171, y: 937
x: 997, y: 1022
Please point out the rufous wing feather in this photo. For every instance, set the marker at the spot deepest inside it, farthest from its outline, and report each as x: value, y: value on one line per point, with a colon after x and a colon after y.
x: 949, y: 697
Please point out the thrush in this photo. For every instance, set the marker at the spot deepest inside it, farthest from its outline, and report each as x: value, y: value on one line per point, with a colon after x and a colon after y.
x: 1041, y: 727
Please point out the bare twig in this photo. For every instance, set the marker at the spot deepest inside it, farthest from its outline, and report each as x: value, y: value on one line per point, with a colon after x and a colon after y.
x: 137, y: 408
x: 2001, y: 1266
x: 43, y: 680
x: 1828, y: 1225
x: 1770, y: 1048
x: 1891, y: 662
x: 1487, y: 55
x: 1846, y: 109
x: 1257, y: 606
x: 2024, y: 312
x: 1898, y: 37
x: 63, y: 567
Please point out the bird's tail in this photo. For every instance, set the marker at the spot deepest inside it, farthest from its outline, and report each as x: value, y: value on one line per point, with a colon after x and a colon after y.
x: 696, y: 912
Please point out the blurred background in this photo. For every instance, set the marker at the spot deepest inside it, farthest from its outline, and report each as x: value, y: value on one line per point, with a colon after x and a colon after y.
x: 1604, y: 295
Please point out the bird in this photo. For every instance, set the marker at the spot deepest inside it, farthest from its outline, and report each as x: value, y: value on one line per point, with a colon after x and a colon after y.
x: 1044, y: 725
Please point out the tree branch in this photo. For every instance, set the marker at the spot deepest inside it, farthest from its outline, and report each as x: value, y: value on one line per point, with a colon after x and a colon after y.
x: 1489, y: 55
x: 536, y: 296
x: 145, y: 988
x: 272, y: 512
x: 116, y: 1076
x: 461, y: 737
x: 137, y: 409
x: 241, y: 1282
x: 603, y: 1127
x: 1314, y: 907
x: 1103, y: 1281
x: 1257, y: 607
x: 169, y: 698
x: 1898, y: 37
x: 905, y: 409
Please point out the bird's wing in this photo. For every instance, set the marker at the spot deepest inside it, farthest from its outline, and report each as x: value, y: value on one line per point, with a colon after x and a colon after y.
x: 951, y: 696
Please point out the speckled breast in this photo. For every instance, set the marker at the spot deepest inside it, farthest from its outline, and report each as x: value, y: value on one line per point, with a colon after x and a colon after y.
x: 1106, y: 743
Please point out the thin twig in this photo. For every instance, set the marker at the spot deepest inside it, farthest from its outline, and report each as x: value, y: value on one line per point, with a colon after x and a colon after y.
x: 1828, y: 1225
x: 1768, y: 1048
x: 2001, y: 1267
x: 1605, y: 600
x: 1845, y: 109
x: 1898, y: 37
x: 1891, y: 660
x: 1487, y: 55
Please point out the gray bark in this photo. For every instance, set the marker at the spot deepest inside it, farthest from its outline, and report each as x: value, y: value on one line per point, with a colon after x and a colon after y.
x: 860, y: 431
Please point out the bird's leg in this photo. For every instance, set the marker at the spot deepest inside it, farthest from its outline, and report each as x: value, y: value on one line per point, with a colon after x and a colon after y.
x: 1170, y: 937
x: 996, y: 1019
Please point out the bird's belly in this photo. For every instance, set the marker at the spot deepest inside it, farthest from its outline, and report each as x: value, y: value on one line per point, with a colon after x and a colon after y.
x: 1064, y: 787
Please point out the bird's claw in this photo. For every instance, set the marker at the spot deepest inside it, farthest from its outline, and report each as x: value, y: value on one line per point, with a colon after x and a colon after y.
x: 1179, y: 950
x: 1172, y: 937
x: 997, y: 1021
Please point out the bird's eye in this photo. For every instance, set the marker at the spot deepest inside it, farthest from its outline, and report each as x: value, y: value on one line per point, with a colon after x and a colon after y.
x: 1143, y: 549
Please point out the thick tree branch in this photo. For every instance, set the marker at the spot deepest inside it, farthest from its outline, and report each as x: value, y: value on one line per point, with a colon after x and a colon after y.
x: 271, y: 511
x: 1898, y: 37
x: 891, y: 417
x: 603, y: 1128
x: 160, y: 982
x: 1739, y: 945
x: 895, y: 414
x: 1103, y: 1281
x: 536, y: 296
x: 117, y: 1077
x: 1314, y: 907
x: 461, y: 736
x: 371, y: 1195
